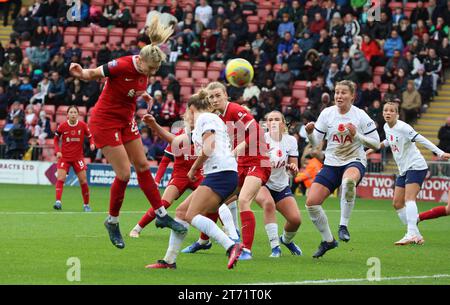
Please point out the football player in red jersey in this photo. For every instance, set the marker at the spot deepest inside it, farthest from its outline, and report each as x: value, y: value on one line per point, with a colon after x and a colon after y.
x: 115, y: 131
x: 184, y: 158
x: 253, y: 166
x: 72, y: 133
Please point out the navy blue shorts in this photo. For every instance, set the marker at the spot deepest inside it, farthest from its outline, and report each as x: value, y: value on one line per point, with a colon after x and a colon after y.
x: 411, y: 176
x: 222, y: 183
x: 278, y: 196
x: 331, y: 176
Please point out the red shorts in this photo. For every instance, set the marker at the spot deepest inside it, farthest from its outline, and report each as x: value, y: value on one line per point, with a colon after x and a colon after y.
x: 78, y: 165
x: 114, y: 136
x: 262, y: 173
x: 182, y: 184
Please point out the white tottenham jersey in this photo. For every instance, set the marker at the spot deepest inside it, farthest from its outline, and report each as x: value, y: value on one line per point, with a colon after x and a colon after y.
x: 221, y: 159
x: 279, y: 157
x: 341, y: 148
x: 401, y: 140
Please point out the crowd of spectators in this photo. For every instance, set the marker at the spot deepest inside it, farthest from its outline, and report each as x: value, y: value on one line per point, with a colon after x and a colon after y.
x: 318, y: 42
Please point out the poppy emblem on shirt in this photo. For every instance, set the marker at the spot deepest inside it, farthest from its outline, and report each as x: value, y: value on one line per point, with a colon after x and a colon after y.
x: 279, y: 153
x: 392, y: 138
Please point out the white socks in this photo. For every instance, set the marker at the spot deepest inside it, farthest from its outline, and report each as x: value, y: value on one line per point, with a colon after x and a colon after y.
x: 137, y: 228
x: 113, y: 219
x: 320, y: 220
x: 228, y: 222
x: 234, y: 212
x: 175, y: 242
x: 348, y: 194
x: 161, y: 212
x: 288, y: 236
x: 402, y: 215
x: 207, y: 226
x: 272, y: 233
x: 411, y: 215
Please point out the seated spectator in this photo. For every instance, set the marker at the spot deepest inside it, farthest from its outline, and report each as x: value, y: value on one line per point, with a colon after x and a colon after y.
x: 323, y: 43
x: 70, y: 52
x: 117, y: 51
x: 302, y: 26
x: 397, y: 16
x: 411, y: 103
x: 284, y: 47
x: 333, y: 57
x: 57, y: 64
x: 224, y: 47
x: 405, y: 31
x: 444, y: 136
x: 419, y: 12
x: 317, y: 25
x: 413, y: 64
x: 40, y: 57
x: 239, y: 30
x: 15, y: 111
x: 433, y: 67
x: 25, y: 68
x: 3, y: 103
x: 336, y: 27
x: 361, y: 67
x: 170, y: 110
x: 394, y: 63
x: 295, y: 60
x: 312, y: 66
x: 444, y: 52
x: 383, y: 28
x: 251, y: 91
x: 283, y: 79
x: 393, y: 43
x: 420, y: 29
x: 440, y: 30
x: 56, y: 90
x: 372, y: 51
x: 233, y: 10
x: 315, y: 93
x: 124, y: 18
x: 42, y: 89
x: 54, y: 41
x: 203, y: 13
x: 16, y: 140
x: 349, y: 74
x: 110, y: 13
x: 375, y: 112
x: 146, y: 141
x: 332, y: 75
x: 400, y: 80
x: 48, y: 12
x: 25, y: 90
x: 286, y: 25
x: 42, y: 129
x: 247, y: 53
x: 263, y: 76
x: 423, y: 84
x: 104, y: 54
x: 10, y: 68
x: 30, y: 117
x: 153, y: 86
x: 368, y: 96
x: 74, y: 94
x: 306, y: 42
x: 392, y: 93
x: 207, y: 45
x: 23, y: 25
x: 90, y: 91
x: 156, y: 150
x: 157, y: 106
x: 95, y: 13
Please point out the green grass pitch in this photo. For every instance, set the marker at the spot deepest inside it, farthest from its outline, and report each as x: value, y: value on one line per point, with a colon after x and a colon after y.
x: 37, y: 242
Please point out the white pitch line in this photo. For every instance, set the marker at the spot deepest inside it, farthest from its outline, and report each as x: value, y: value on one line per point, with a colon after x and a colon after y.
x: 330, y: 281
x: 140, y: 212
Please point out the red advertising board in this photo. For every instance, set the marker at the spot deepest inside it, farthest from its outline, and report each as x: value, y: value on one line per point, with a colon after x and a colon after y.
x: 377, y: 186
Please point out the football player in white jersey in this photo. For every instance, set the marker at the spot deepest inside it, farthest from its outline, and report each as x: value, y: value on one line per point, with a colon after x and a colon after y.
x: 276, y: 193
x: 212, y: 145
x: 412, y: 167
x: 347, y: 130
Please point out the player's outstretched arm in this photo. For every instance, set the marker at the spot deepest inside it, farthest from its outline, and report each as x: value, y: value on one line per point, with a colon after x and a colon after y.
x: 430, y: 146
x: 85, y: 74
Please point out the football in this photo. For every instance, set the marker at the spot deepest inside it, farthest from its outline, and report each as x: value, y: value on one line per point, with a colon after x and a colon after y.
x: 239, y: 72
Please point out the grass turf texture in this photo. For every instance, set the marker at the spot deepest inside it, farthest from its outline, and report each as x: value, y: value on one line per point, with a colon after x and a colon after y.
x: 37, y: 241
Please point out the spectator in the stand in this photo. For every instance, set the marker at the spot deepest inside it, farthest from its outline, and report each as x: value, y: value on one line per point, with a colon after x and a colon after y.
x: 411, y: 103
x: 90, y: 92
x: 295, y: 60
x: 350, y: 74
x: 48, y: 12
x: 42, y: 89
x: 146, y: 141
x: 433, y: 67
x: 239, y: 30
x: 313, y: 9
x: 175, y: 9
x: 423, y: 84
x: 57, y: 64
x: 336, y: 26
x: 207, y: 45
x: 307, y: 41
x: 73, y: 50
x: 267, y: 73
x: 315, y: 92
x: 224, y: 47
x: 188, y: 27
x: 104, y: 54
x: 400, y: 79
x: 333, y: 57
x: 361, y: 67
x: 284, y: 47
x: 405, y: 30
x: 16, y: 111
x: 370, y: 94
x: 317, y: 25
x: 284, y: 8
x: 110, y: 13
x: 169, y: 110
x: 420, y: 29
x: 54, y: 41
x: 119, y: 51
x: 156, y: 150
x: 31, y: 118
x: 251, y: 91
x: 312, y: 67
x: 444, y: 136
x: 74, y: 94
x: 397, y: 16
x: 270, y: 28
x: 283, y: 79
x: 174, y: 87
x: 203, y: 13
x: 25, y: 90
x: 13, y: 89
x: 179, y: 49
x: 3, y: 103
x: 440, y: 30
x: 14, y: 48
x: 375, y: 112
x: 56, y: 90
x: 394, y: 63
x: 371, y: 50
x: 95, y: 13
x: 42, y: 129
x: 332, y: 75
x: 419, y: 12
x: 296, y: 12
x: 25, y: 67
x: 302, y: 26
x: 16, y: 140
x: 10, y: 68
x: 157, y: 105
x: 233, y: 10
x: 393, y: 43
x: 286, y: 25
x: 383, y: 28
x: 23, y: 25
x: 40, y: 57
x: 444, y: 52
x: 392, y: 93
x: 124, y: 18
x: 413, y: 64
x: 323, y: 43
x: 153, y: 86
x: 268, y: 91
x: 247, y: 53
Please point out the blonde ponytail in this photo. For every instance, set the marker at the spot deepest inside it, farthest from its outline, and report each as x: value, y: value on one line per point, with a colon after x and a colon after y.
x: 158, y: 34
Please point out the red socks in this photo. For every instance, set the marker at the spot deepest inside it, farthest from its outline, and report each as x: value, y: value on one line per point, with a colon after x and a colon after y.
x: 85, y: 193
x: 213, y: 217
x: 117, y: 194
x: 150, y: 189
x: 59, y: 189
x: 433, y: 213
x: 150, y: 215
x: 248, y: 228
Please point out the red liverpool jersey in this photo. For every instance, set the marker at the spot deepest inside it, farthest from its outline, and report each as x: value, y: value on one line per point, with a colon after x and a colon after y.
x: 72, y: 137
x: 116, y: 105
x: 243, y: 127
x: 183, y: 158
